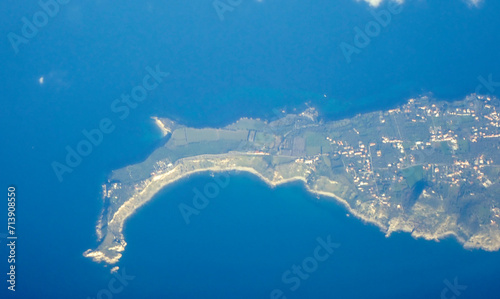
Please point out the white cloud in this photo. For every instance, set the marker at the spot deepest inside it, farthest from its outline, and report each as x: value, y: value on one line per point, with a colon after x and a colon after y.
x: 376, y: 3
x: 474, y: 2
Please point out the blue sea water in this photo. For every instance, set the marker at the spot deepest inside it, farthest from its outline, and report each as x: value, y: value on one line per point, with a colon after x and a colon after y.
x: 265, y: 55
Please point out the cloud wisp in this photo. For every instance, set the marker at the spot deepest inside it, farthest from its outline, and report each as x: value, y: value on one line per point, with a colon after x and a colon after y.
x: 376, y: 3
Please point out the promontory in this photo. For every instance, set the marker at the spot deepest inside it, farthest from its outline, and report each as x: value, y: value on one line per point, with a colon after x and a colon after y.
x: 430, y: 168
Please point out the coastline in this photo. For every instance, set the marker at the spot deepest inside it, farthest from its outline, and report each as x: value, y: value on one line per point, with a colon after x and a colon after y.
x: 294, y: 148
x: 122, y: 214
x: 164, y: 130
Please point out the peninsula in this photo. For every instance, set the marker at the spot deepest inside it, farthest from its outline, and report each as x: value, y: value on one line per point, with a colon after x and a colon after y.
x: 429, y: 168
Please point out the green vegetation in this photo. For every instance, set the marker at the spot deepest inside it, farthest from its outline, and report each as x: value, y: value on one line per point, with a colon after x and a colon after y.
x: 463, y: 146
x: 445, y: 148
x: 413, y: 175
x: 452, y: 185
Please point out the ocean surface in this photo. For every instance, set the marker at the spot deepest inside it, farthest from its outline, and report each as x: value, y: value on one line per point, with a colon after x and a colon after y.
x: 265, y: 56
